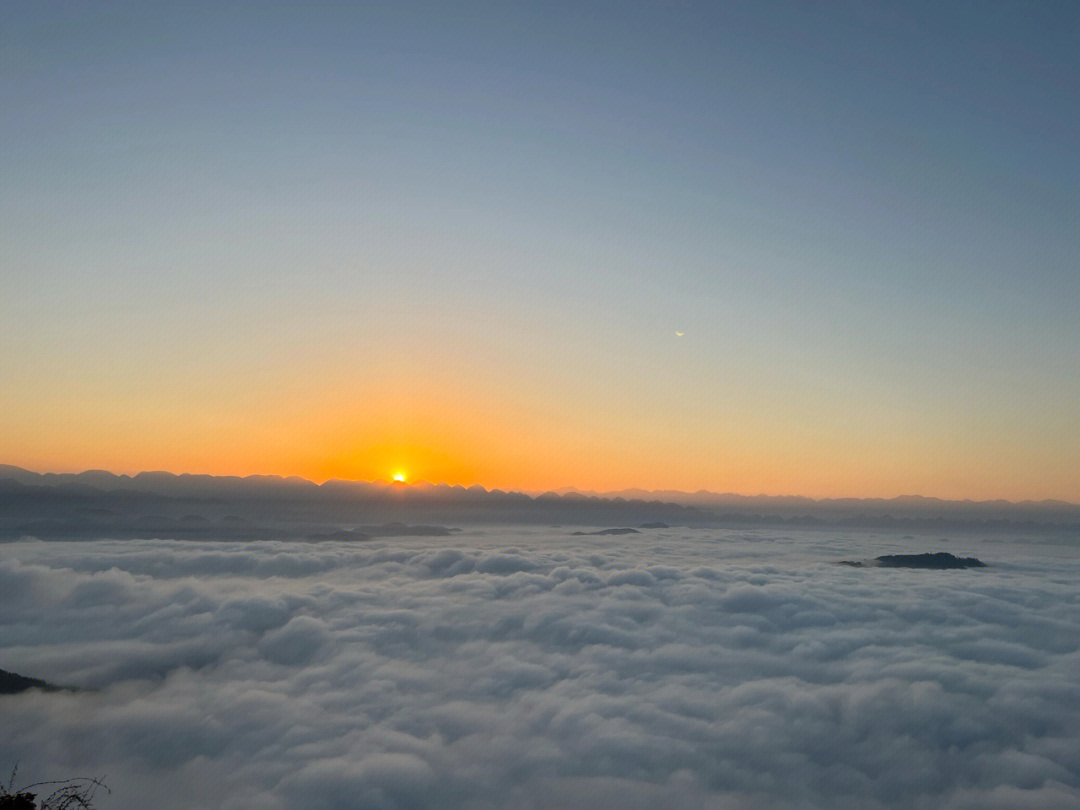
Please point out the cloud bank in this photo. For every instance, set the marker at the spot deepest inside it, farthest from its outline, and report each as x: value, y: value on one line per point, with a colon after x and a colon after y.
x: 532, y: 669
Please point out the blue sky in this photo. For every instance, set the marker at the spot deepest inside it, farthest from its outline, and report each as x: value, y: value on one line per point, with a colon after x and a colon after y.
x: 863, y: 219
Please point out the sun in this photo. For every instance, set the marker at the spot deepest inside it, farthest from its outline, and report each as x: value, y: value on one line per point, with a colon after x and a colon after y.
x: 399, y: 477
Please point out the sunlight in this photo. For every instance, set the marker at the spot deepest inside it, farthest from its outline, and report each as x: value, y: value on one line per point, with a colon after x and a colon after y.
x: 399, y: 477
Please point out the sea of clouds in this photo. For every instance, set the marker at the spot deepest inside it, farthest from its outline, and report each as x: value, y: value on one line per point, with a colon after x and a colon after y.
x: 532, y: 669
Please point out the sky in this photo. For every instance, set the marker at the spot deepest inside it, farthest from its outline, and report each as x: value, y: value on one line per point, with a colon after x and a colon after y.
x: 788, y: 248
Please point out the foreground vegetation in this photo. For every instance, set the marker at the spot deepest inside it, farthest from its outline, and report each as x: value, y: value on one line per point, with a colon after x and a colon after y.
x: 66, y: 794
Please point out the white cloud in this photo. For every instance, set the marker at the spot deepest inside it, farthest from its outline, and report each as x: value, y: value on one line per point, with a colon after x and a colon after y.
x: 538, y: 670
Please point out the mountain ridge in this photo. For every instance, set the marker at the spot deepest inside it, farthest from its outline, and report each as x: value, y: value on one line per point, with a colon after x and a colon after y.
x: 143, y: 481
x: 195, y: 505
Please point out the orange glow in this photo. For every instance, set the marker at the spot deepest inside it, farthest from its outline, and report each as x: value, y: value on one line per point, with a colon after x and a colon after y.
x: 440, y: 428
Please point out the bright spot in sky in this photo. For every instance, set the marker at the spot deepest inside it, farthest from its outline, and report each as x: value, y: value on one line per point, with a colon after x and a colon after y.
x: 678, y: 334
x: 399, y: 477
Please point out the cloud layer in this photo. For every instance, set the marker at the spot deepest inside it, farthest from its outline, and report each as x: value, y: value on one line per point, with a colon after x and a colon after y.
x: 537, y: 670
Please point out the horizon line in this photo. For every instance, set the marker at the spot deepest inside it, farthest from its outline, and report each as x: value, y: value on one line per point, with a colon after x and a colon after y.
x: 560, y: 491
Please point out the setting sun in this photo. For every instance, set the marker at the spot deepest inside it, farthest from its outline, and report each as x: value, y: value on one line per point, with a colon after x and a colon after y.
x: 399, y: 477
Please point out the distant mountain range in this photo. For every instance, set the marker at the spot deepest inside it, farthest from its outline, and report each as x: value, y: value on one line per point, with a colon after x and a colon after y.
x: 904, y: 506
x: 97, y: 503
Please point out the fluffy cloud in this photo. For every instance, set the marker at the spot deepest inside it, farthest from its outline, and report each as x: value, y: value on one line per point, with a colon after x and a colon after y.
x: 536, y: 670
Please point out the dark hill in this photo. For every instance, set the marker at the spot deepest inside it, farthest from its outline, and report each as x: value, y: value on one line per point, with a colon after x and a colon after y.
x: 940, y: 560
x: 11, y: 684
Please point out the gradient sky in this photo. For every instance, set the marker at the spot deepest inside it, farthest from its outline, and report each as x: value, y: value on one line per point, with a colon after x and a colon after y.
x: 340, y: 240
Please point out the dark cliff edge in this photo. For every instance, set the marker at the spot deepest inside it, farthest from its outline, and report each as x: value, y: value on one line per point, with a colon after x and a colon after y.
x: 12, y: 683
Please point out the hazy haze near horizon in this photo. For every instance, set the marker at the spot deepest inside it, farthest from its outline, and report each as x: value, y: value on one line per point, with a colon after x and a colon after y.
x: 99, y: 504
